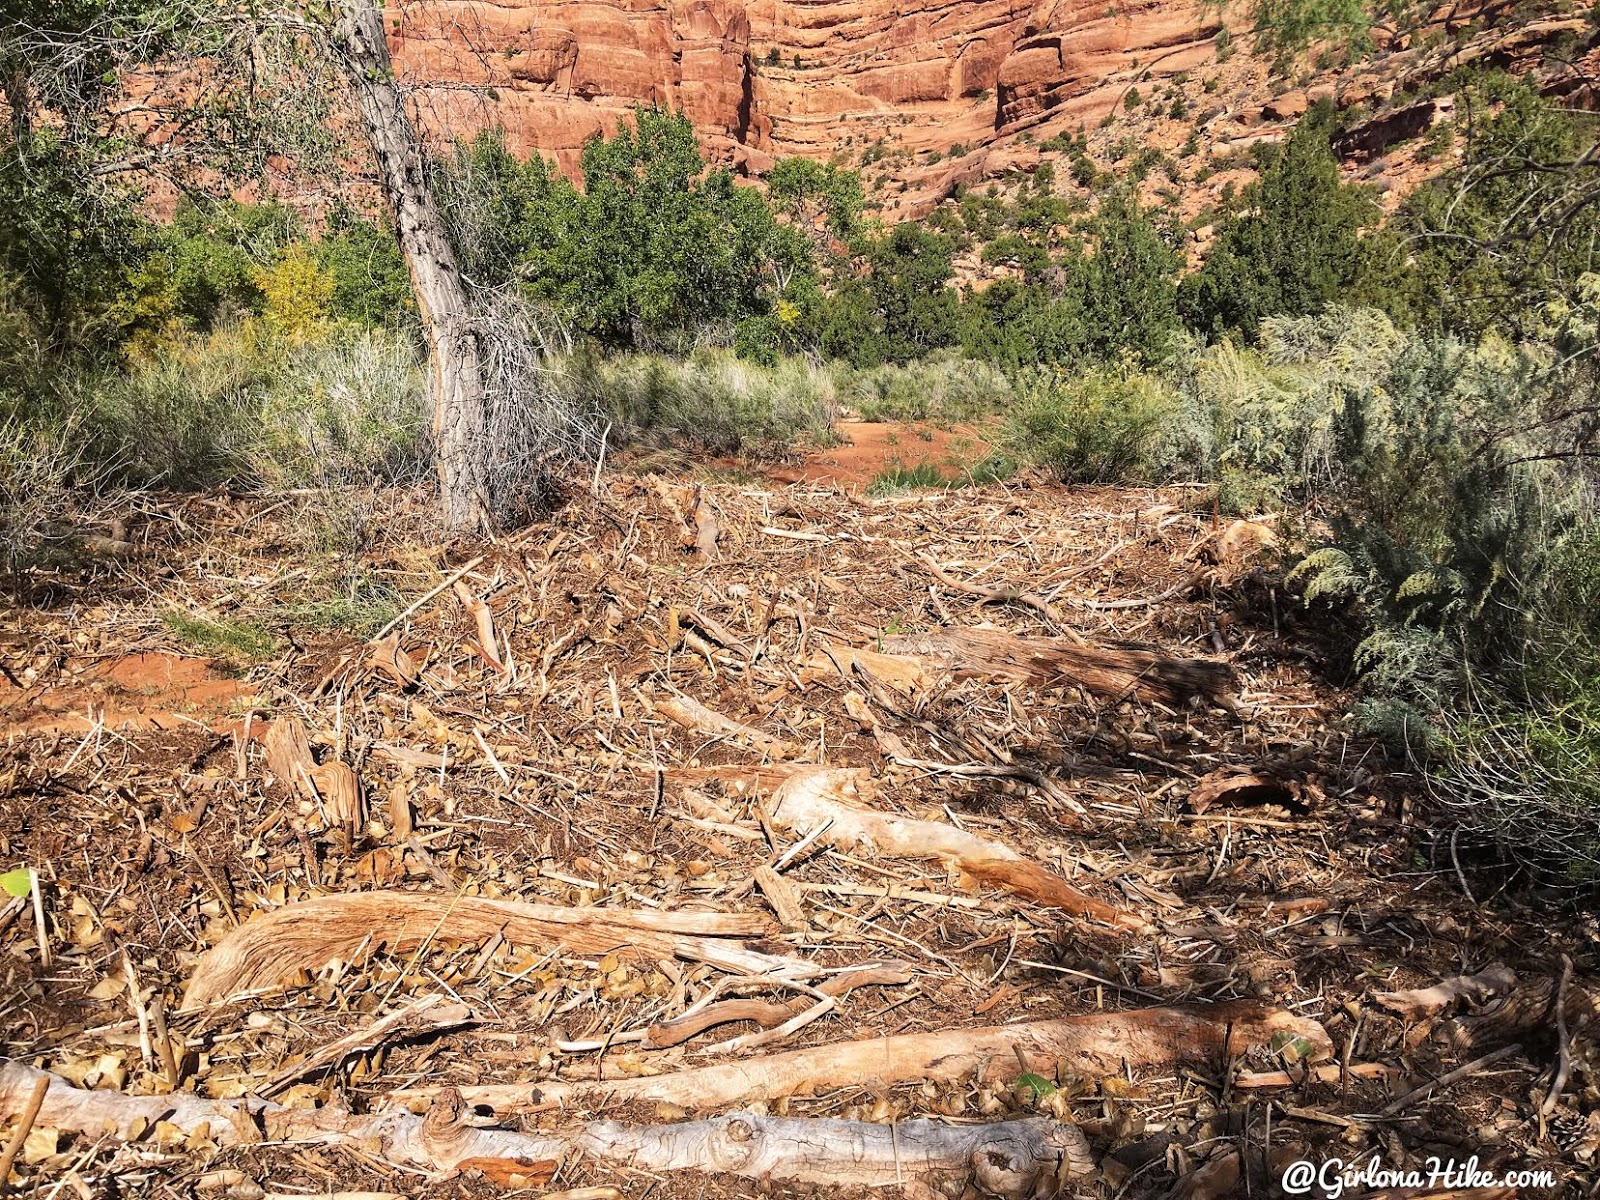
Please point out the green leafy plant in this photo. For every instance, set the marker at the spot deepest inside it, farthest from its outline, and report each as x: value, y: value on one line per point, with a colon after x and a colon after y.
x: 1095, y: 428
x: 898, y: 477
x: 241, y: 643
x: 1036, y: 1087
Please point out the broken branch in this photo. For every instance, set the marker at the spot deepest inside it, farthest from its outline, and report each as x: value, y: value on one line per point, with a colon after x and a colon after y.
x: 810, y: 800
x: 1096, y: 1043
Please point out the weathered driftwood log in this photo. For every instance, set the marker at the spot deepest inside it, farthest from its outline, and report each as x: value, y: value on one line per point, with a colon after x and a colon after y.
x: 1095, y: 1044
x: 272, y: 949
x: 1113, y: 674
x: 829, y: 797
x: 1013, y: 1160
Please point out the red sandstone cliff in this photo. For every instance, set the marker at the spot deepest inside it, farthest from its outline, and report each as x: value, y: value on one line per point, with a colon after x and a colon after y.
x: 770, y: 78
x: 892, y: 87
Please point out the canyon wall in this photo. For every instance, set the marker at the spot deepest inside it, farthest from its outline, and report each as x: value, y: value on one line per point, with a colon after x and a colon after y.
x: 762, y: 79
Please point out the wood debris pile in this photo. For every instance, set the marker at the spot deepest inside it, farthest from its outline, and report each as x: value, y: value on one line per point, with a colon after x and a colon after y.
x: 982, y: 843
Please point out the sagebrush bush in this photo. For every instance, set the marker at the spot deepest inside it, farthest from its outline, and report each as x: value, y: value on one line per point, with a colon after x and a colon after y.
x: 40, y: 465
x: 941, y: 388
x: 712, y: 400
x: 1466, y: 541
x: 1259, y: 422
x: 349, y: 409
x: 246, y: 406
x: 183, y: 416
x: 1098, y: 427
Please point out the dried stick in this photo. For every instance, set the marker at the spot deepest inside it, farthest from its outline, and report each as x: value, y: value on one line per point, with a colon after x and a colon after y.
x: 30, y: 1114
x: 1563, y: 1050
x: 1446, y: 1080
x: 1098, y: 1042
x: 423, y: 1015
x: 704, y: 1014
x: 823, y: 797
x: 993, y: 595
x: 423, y: 599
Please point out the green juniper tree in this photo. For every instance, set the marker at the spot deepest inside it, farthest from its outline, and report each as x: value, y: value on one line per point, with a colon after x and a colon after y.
x: 1293, y: 245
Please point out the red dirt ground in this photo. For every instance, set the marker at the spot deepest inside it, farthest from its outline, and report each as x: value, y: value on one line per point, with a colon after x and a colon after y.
x: 151, y: 690
x: 870, y: 448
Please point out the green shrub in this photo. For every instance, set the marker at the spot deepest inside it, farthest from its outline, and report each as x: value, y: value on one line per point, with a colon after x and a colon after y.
x: 1466, y: 542
x: 348, y: 409
x: 1259, y: 422
x: 941, y: 388
x: 245, y: 406
x: 41, y: 463
x: 184, y: 416
x: 712, y: 401
x: 900, y: 478
x: 1099, y: 427
x: 240, y: 643
x: 1294, y: 244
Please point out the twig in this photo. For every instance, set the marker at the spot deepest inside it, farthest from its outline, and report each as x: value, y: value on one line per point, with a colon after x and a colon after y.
x: 794, y: 851
x: 1563, y: 1051
x: 40, y: 929
x: 1141, y: 602
x: 24, y: 1127
x: 1455, y: 1076
x: 403, y: 1021
x: 140, y: 1013
x: 1461, y: 876
x: 766, y: 1037
x: 993, y: 595
x: 600, y: 461
x: 448, y: 583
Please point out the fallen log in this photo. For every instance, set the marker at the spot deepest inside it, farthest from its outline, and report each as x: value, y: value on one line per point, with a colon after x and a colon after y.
x: 1092, y: 1045
x: 826, y: 798
x: 1112, y: 674
x: 272, y: 949
x: 1012, y: 1160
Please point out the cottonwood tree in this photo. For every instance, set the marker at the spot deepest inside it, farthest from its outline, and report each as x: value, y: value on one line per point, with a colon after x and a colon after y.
x: 205, y: 93
x: 455, y: 360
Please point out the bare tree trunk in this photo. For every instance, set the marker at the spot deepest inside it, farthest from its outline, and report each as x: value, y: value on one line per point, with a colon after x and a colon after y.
x: 456, y: 365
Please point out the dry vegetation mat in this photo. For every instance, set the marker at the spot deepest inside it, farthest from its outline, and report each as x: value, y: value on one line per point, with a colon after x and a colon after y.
x: 1002, y: 842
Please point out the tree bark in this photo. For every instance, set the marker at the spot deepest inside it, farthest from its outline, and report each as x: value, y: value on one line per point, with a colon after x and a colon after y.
x: 456, y: 370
